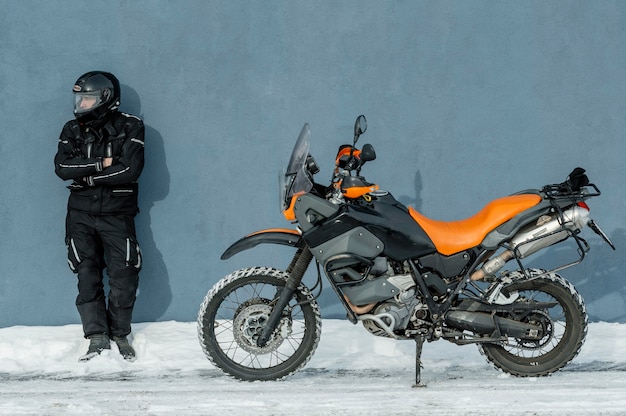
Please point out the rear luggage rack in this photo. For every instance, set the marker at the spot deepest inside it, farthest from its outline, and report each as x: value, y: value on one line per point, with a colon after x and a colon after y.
x: 565, y: 191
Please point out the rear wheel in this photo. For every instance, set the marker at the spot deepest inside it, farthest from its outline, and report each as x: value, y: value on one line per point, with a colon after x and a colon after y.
x: 564, y: 327
x: 234, y: 313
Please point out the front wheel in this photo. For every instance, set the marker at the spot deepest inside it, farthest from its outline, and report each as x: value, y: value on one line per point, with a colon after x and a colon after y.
x: 234, y: 313
x: 564, y: 327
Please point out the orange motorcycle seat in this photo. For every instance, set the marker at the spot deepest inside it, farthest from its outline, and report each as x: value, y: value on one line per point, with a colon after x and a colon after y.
x: 455, y: 236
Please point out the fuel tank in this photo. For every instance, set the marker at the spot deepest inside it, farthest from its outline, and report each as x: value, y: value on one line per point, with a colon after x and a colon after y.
x: 379, y: 225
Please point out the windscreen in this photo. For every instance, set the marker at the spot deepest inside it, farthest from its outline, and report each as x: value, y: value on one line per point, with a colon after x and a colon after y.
x: 295, y: 179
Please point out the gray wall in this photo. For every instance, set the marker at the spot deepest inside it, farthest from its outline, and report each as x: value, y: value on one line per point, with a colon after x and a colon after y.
x: 466, y: 101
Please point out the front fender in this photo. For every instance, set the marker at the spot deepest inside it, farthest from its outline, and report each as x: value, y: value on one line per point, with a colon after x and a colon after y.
x: 282, y: 236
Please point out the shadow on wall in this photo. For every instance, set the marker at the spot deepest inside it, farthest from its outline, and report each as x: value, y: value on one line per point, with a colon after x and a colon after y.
x: 417, y: 201
x: 154, y: 294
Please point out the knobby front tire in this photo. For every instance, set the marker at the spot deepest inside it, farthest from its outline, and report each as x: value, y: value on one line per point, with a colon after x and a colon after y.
x: 234, y: 313
x: 564, y: 325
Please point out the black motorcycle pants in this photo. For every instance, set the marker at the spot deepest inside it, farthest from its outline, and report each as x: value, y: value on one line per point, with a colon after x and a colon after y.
x: 96, y: 242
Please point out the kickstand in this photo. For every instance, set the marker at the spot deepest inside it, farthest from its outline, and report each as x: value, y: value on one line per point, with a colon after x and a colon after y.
x: 419, y: 343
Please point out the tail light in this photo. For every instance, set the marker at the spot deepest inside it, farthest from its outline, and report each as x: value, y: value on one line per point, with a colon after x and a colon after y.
x: 583, y: 205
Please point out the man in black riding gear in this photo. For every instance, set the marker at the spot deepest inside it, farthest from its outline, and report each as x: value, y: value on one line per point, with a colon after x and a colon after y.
x: 102, y: 151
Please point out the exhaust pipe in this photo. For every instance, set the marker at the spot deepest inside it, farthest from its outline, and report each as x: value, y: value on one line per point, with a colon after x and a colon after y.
x: 548, y: 230
x: 492, y: 266
x: 359, y: 310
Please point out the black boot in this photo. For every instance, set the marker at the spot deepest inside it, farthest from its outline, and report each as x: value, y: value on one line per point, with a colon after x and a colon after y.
x: 97, y: 344
x: 127, y: 351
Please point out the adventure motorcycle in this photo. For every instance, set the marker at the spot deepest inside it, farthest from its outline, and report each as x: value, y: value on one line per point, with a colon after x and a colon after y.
x: 403, y: 275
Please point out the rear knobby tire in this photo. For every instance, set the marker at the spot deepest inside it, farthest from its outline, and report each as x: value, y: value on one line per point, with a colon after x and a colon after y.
x: 565, y: 330
x: 233, y: 315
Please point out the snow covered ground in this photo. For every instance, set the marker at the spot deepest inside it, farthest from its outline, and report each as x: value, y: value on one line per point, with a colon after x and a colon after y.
x: 352, y: 373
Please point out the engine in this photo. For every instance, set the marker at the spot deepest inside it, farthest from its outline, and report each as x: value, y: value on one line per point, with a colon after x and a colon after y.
x: 393, y: 302
x: 384, y: 296
x: 395, y: 315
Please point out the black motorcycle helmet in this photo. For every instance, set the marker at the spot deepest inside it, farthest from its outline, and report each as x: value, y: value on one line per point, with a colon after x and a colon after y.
x: 96, y: 96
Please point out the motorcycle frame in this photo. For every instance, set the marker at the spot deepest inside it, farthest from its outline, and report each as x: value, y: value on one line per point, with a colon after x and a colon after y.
x: 459, y: 309
x: 559, y: 199
x: 303, y: 257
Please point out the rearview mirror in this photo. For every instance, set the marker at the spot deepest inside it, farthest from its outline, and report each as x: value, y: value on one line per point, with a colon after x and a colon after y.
x: 360, y: 126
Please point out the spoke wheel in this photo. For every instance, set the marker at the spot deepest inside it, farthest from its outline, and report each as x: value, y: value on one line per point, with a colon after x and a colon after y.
x: 563, y: 329
x: 234, y: 314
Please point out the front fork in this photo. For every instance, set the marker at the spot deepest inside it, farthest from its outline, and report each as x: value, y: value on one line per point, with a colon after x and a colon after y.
x: 296, y: 270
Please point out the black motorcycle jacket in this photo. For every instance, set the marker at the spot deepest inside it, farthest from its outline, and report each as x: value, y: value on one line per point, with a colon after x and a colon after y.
x: 81, y: 152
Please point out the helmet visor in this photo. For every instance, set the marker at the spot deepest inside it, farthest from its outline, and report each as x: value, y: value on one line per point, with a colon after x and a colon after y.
x: 85, y: 102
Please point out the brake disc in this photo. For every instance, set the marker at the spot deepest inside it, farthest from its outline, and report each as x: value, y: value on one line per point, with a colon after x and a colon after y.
x: 250, y: 319
x: 543, y: 319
